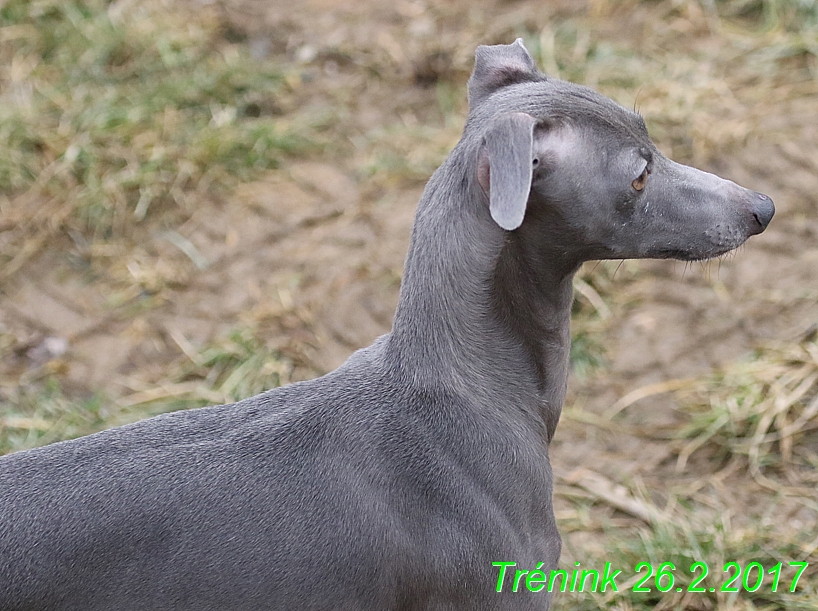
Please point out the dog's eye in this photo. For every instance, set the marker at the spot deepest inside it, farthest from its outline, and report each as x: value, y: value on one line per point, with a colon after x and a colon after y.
x: 642, y: 180
x: 536, y: 162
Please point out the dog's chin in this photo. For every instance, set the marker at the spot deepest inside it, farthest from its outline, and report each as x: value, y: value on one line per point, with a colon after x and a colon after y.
x: 692, y: 255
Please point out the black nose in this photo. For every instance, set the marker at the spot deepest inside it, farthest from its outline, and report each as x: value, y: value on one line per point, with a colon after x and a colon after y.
x: 763, y: 210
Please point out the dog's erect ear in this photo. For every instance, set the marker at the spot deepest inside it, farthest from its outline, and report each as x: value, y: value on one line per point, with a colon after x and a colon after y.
x: 496, y: 66
x: 505, y: 165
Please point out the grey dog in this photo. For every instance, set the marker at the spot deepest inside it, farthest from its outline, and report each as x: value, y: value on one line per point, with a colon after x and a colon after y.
x: 394, y: 482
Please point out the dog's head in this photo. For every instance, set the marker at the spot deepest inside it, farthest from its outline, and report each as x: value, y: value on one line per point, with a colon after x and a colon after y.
x: 561, y: 160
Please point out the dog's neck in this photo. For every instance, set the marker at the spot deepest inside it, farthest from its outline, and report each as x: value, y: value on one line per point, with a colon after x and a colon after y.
x: 475, y: 317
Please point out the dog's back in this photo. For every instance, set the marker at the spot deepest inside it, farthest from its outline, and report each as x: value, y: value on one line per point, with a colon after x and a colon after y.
x: 345, y: 492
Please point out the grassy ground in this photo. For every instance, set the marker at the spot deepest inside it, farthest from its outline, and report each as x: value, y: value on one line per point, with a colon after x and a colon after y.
x: 113, y: 115
x: 121, y: 122
x: 744, y: 454
x: 116, y: 121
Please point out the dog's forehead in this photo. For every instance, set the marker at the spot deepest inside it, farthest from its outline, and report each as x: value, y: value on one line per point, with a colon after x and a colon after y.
x: 566, y: 102
x: 580, y: 104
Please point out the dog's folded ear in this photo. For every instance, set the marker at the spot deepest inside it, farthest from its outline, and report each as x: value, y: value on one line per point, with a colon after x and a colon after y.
x: 505, y: 166
x: 497, y: 66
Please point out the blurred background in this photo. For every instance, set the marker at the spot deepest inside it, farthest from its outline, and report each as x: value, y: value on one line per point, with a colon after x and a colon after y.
x: 203, y: 200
